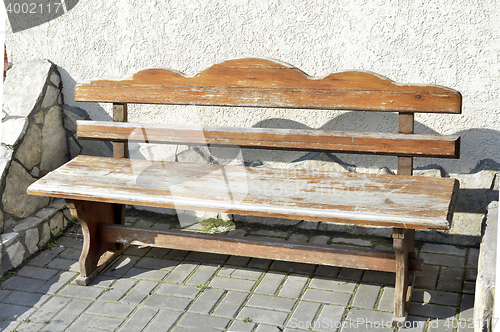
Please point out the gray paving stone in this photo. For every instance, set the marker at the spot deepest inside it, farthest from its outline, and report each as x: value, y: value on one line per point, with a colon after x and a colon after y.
x: 268, y: 328
x: 230, y: 304
x: 45, y: 257
x: 414, y: 324
x: 293, y: 286
x: 87, y: 322
x: 50, y: 309
x: 134, y: 250
x: 466, y: 309
x: 432, y: 310
x: 332, y: 284
x: 140, y: 291
x: 70, y: 242
x: 81, y: 292
x: 469, y: 287
x: 22, y: 283
x: 443, y: 249
x: 57, y: 282
x: 428, y: 277
x: 26, y: 299
x: 450, y: 279
x: 206, y: 302
x: 293, y: 267
x: 271, y: 302
x: 14, y: 312
x: 167, y: 302
x: 205, y: 257
x: 470, y: 274
x: 139, y: 320
x: 366, y: 296
x: 367, y: 320
x: 110, y: 309
x: 177, y: 290
x: 30, y: 327
x: 378, y: 277
x: 103, y: 281
x: 322, y: 296
x: 145, y: 274
x: 202, y: 322
x: 8, y: 325
x: 156, y: 263
x: 270, y: 283
x: 202, y: 275
x: 436, y: 297
x: 4, y: 293
x: 37, y: 272
x: 259, y: 263
x: 157, y: 252
x: 120, y: 266
x: 177, y: 255
x: 71, y: 253
x: 240, y: 326
x: 268, y: 232
x: 444, y: 260
x: 238, y: 260
x: 329, y: 319
x: 327, y: 271
x: 257, y: 315
x: 68, y: 314
x: 118, y: 290
x: 440, y: 325
x: 357, y: 242
x: 350, y: 274
x: 64, y: 264
x: 303, y: 315
x: 472, y: 258
x: 386, y: 302
x: 242, y: 273
x: 298, y: 238
x: 181, y: 272
x: 319, y: 239
x: 242, y: 285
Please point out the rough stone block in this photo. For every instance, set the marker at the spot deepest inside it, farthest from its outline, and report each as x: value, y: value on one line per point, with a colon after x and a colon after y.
x: 27, y: 223
x: 15, y: 199
x: 46, y: 213
x: 44, y: 235
x: 15, y: 254
x: 5, y: 158
x: 31, y: 240
x: 29, y: 152
x: 29, y: 77
x: 54, y: 145
x: 56, y: 223
x: 50, y: 97
x: 55, y: 78
x: 13, y: 130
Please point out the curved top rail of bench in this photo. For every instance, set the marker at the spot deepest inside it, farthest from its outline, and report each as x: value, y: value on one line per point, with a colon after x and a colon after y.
x: 257, y: 82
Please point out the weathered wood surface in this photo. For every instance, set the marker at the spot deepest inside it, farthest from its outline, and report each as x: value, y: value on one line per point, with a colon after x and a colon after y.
x: 271, y: 138
x: 335, y: 255
x: 258, y: 82
x: 368, y: 199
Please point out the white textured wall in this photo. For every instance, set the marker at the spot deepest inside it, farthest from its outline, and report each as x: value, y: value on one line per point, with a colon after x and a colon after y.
x: 450, y: 43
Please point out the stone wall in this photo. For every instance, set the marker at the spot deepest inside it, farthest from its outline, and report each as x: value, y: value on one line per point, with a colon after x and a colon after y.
x: 37, y: 136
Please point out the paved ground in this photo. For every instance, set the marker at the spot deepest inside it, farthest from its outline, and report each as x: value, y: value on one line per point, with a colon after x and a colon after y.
x: 152, y: 289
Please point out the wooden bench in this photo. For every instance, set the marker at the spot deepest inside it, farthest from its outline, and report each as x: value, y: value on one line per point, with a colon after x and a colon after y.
x: 98, y: 188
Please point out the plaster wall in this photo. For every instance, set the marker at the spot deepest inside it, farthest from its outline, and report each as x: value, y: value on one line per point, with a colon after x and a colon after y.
x: 455, y: 44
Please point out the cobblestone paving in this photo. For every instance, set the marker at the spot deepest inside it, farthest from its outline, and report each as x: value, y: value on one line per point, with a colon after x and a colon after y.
x: 154, y: 289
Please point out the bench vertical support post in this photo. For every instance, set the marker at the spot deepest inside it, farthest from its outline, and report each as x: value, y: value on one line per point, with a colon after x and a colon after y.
x: 96, y: 254
x: 403, y: 239
x: 120, y: 150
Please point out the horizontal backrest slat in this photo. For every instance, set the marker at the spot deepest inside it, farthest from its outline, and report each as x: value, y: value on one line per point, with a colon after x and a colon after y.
x: 414, y: 145
x: 264, y: 83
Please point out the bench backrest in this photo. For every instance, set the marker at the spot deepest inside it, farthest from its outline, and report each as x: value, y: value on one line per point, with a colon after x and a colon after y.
x: 255, y: 82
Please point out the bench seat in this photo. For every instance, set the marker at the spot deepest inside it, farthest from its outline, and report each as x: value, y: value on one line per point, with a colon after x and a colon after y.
x: 368, y: 199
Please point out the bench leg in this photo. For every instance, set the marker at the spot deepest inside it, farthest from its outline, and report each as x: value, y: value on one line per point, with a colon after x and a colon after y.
x: 404, y: 248
x: 96, y: 254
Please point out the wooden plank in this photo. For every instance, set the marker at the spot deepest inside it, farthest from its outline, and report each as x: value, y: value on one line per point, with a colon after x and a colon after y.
x: 267, y: 83
x: 335, y: 255
x: 367, y: 199
x: 270, y: 138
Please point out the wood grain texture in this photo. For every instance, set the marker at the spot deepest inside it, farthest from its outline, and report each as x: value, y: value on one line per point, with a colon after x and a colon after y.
x: 256, y: 82
x: 278, y: 139
x: 366, y: 199
x: 335, y: 255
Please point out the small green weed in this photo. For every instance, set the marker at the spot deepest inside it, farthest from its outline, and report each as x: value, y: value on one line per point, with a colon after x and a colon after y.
x: 246, y: 320
x: 201, y: 287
